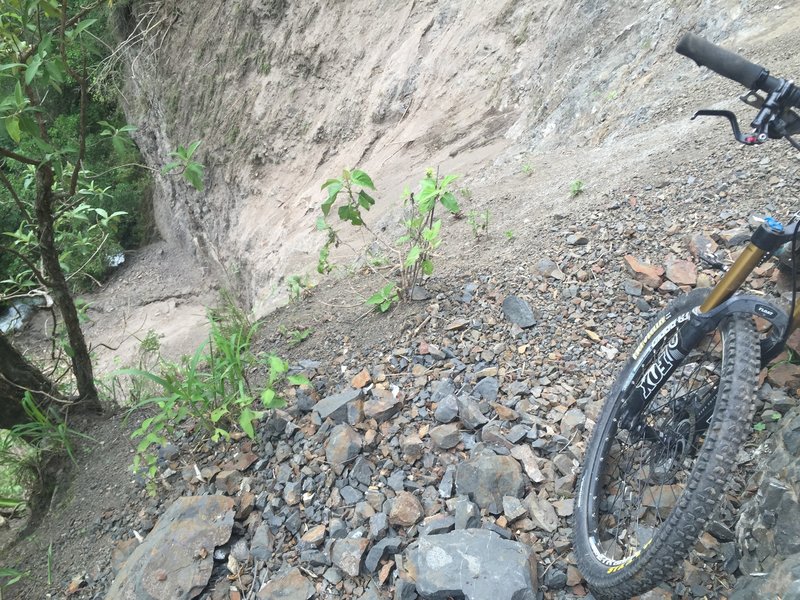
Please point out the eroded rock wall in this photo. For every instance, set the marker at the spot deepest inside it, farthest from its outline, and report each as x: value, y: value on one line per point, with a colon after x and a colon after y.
x: 286, y: 94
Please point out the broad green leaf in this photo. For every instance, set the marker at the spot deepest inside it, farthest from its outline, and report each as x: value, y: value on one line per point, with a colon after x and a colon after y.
x: 376, y: 298
x: 351, y: 214
x: 277, y: 365
x: 194, y: 175
x: 413, y: 256
x: 450, y: 203
x: 117, y: 144
x: 18, y: 96
x: 246, y: 422
x: 330, y: 182
x: 33, y: 68
x: 9, y: 66
x: 220, y: 433
x: 298, y: 380
x: 218, y: 413
x: 362, y: 179
x: 82, y: 25
x: 448, y: 179
x: 169, y: 167
x: 193, y: 148
x: 333, y: 191
x: 365, y: 200
x: 148, y: 440
x: 427, y: 267
x: 12, y: 127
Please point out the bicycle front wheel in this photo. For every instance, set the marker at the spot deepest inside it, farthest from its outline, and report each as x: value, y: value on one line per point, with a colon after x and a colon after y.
x: 645, y: 496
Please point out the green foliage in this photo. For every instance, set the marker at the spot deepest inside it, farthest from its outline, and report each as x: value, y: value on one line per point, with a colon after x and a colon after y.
x: 298, y: 286
x: 46, y: 431
x: 384, y: 298
x: 478, y: 222
x: 212, y: 388
x: 185, y: 165
x: 527, y: 169
x: 422, y: 231
x: 510, y: 235
x: 9, y: 577
x: 576, y: 188
x: 40, y: 110
x: 295, y: 336
x: 26, y: 446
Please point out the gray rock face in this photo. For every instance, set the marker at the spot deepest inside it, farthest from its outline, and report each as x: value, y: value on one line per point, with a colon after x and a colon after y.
x: 343, y: 445
x: 487, y: 388
x: 447, y: 409
x: 262, y: 543
x: 335, y: 407
x: 782, y: 582
x: 486, y: 478
x: 769, y: 522
x: 382, y: 408
x: 291, y: 586
x: 468, y: 515
x: 348, y: 554
x: 167, y: 565
x: 474, y: 564
x: 518, y: 311
x: 446, y: 436
x: 470, y: 414
x: 386, y: 546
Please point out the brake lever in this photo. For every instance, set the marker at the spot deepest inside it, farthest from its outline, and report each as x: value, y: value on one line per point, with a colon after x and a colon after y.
x: 747, y: 139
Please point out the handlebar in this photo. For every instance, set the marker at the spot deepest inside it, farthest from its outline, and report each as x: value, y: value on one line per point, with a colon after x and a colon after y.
x: 775, y: 118
x: 727, y: 63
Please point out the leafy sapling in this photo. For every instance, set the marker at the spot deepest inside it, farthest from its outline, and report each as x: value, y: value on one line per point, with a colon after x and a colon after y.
x: 185, y: 165
x: 576, y: 188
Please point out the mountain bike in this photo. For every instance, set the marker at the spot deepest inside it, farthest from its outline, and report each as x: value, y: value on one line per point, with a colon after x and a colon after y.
x: 670, y: 429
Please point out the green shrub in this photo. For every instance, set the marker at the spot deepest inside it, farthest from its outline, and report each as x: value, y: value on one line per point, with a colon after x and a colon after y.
x: 212, y: 388
x: 422, y: 230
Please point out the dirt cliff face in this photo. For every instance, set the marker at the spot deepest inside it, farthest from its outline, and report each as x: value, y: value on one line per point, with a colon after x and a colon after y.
x: 285, y: 95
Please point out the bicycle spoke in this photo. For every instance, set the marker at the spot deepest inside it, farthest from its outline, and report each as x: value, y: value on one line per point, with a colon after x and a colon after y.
x: 644, y: 477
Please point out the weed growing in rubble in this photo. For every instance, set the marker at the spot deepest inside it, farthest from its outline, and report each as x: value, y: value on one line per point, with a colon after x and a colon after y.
x: 414, y: 250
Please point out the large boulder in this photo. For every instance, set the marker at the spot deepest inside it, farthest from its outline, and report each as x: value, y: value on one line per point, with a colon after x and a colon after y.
x: 475, y: 564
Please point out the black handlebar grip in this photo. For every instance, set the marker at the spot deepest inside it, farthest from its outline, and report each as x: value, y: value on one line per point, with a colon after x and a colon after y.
x: 726, y: 63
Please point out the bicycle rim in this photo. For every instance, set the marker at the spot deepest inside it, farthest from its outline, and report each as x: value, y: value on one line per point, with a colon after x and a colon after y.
x: 640, y: 477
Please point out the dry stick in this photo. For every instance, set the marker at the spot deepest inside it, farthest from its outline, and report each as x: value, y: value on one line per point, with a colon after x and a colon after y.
x: 38, y: 392
x: 420, y: 326
x: 30, y: 265
x: 90, y: 259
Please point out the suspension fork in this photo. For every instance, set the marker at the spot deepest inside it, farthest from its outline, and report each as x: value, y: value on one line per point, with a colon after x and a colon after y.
x: 688, y: 335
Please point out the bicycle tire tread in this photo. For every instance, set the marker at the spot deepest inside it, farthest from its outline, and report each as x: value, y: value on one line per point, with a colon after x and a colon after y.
x: 696, y: 505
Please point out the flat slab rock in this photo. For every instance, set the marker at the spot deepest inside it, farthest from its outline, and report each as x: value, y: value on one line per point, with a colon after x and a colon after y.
x: 290, y: 586
x: 175, y: 560
x: 475, y: 564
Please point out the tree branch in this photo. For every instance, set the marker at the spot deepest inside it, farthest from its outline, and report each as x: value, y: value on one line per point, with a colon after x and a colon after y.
x: 4, y: 179
x: 36, y: 273
x: 33, y: 48
x: 19, y: 157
